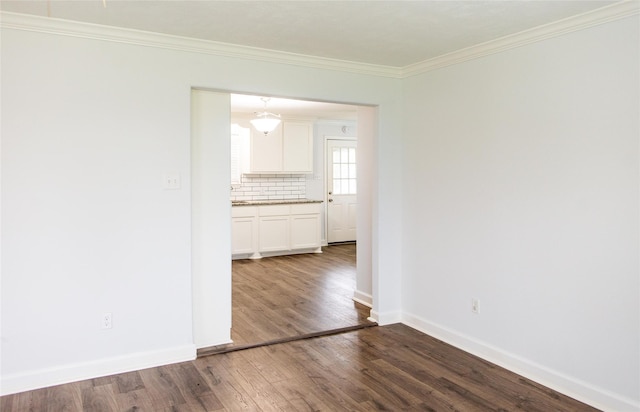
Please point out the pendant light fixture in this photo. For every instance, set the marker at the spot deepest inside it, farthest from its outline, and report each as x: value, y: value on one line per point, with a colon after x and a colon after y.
x: 265, y: 122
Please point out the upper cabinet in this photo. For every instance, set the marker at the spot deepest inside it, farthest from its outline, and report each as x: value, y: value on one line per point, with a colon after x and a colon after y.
x: 266, y: 150
x: 297, y: 147
x: 240, y: 140
x: 287, y: 149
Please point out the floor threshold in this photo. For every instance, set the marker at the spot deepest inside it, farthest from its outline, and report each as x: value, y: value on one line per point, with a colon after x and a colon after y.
x: 220, y: 349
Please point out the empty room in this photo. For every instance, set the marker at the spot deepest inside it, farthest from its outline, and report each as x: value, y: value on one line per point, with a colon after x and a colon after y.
x: 496, y: 146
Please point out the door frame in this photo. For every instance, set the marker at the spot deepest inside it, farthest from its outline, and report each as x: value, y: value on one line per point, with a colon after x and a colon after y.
x: 209, y: 329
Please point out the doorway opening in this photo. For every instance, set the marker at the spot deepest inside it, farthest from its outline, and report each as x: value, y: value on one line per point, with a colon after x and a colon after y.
x: 297, y: 271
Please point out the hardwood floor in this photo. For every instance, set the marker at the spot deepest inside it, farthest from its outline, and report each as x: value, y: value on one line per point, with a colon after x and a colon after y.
x: 388, y: 368
x: 384, y: 368
x: 284, y: 296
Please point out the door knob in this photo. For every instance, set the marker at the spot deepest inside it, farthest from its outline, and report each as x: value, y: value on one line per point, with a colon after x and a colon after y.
x: 330, y: 193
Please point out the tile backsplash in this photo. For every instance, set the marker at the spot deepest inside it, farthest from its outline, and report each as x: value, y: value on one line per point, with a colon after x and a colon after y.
x: 269, y: 187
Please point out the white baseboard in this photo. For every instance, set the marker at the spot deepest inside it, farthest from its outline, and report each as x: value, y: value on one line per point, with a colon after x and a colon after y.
x: 567, y: 385
x: 363, y: 298
x: 76, y: 372
x: 582, y: 391
x: 386, y: 318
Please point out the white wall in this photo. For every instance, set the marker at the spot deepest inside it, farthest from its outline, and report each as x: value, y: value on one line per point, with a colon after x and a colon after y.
x: 89, y: 129
x: 210, y: 246
x: 521, y: 175
x: 513, y: 178
x: 365, y: 160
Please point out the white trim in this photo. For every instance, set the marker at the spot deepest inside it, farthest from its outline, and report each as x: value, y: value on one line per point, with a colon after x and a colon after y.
x: 363, y: 298
x: 88, y: 370
x: 582, y: 21
x: 70, y: 28
x: 347, y: 138
x: 579, y: 22
x: 582, y: 391
x: 386, y: 318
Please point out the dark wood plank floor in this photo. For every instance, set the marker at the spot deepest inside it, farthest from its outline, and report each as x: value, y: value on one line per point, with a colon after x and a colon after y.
x: 385, y: 368
x: 284, y: 296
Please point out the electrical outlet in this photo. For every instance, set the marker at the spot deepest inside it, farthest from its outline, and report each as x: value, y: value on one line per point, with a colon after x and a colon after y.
x: 475, y: 305
x: 106, y: 321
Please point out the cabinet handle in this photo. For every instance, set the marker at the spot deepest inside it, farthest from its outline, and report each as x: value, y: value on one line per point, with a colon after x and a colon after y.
x: 330, y: 200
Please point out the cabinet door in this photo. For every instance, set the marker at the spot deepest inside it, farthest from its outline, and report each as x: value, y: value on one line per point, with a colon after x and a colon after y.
x: 274, y: 233
x: 297, y: 138
x: 242, y: 235
x: 240, y: 141
x: 266, y: 150
x: 305, y: 231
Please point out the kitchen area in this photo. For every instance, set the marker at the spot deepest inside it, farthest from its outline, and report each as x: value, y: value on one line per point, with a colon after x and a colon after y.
x: 288, y: 277
x: 279, y: 189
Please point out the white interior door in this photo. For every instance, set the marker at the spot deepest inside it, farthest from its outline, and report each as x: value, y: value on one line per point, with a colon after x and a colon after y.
x: 341, y: 191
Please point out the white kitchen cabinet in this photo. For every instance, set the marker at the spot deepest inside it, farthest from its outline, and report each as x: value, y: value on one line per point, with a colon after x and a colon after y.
x: 242, y: 240
x: 287, y: 149
x: 305, y: 226
x: 240, y: 141
x: 275, y: 229
x: 266, y: 151
x: 244, y: 230
x: 297, y: 147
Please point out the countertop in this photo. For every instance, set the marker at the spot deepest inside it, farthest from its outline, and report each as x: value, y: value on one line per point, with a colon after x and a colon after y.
x: 272, y: 202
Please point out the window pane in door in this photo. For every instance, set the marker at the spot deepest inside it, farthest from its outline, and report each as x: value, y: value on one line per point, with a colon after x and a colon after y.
x: 336, y: 155
x: 343, y: 168
x: 337, y: 187
x: 344, y: 171
x: 352, y: 186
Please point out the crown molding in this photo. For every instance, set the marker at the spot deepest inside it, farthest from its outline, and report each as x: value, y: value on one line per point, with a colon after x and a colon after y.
x: 25, y: 22
x: 61, y: 27
x: 579, y: 22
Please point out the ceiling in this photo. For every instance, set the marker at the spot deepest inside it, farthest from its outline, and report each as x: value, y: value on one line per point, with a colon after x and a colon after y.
x: 383, y: 33
x: 246, y: 104
x: 388, y: 33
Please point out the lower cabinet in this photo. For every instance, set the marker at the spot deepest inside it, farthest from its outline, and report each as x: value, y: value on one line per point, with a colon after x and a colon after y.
x: 275, y: 229
x: 305, y: 226
x: 244, y: 230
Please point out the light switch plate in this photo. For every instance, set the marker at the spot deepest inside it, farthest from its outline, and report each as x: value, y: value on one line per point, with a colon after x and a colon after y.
x: 171, y: 181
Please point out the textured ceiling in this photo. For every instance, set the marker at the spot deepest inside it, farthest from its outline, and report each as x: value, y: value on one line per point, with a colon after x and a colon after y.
x: 389, y: 33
